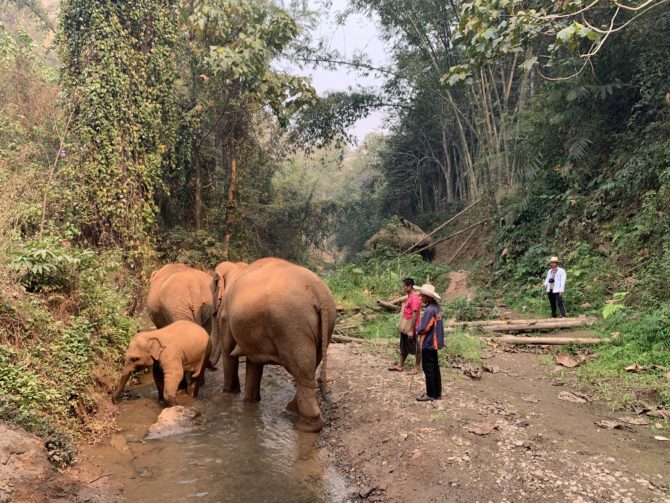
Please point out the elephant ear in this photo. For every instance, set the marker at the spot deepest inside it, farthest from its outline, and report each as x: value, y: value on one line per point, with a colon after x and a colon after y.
x: 155, y: 348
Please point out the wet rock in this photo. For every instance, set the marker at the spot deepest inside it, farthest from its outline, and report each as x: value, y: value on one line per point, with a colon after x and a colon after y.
x: 175, y: 420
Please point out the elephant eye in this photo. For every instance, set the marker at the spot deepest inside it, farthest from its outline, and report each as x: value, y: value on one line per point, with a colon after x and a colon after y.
x: 134, y: 359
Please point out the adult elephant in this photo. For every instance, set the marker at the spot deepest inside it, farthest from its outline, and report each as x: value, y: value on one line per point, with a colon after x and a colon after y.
x: 178, y: 292
x: 275, y: 312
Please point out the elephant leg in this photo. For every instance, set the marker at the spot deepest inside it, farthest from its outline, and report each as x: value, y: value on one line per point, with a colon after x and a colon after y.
x: 252, y: 381
x: 173, y: 377
x: 157, y: 372
x: 308, y: 409
x: 231, y: 379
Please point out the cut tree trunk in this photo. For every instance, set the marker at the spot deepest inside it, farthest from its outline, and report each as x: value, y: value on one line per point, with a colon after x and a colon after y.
x: 533, y: 326
x: 510, y: 339
x: 388, y: 305
x: 582, y: 321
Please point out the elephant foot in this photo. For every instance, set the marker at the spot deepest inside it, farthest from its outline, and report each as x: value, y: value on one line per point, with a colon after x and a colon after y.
x: 310, y: 425
x: 232, y: 390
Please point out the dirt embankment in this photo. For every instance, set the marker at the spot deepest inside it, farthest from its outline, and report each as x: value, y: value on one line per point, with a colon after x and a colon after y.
x: 529, y: 446
x: 27, y: 477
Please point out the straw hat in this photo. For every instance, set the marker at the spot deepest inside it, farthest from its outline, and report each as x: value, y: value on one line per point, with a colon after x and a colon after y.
x: 427, y: 289
x: 554, y: 259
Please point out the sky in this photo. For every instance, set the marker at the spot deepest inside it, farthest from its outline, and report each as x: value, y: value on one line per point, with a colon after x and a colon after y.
x: 358, y: 34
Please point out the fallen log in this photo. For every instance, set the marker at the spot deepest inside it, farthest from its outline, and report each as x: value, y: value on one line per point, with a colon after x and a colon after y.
x: 554, y: 341
x: 531, y: 327
x: 345, y: 339
x: 525, y: 321
x: 398, y: 300
x: 388, y: 305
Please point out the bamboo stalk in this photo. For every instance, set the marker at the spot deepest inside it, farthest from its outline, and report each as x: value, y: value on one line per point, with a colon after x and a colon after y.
x: 441, y: 226
x: 463, y: 245
x: 457, y: 233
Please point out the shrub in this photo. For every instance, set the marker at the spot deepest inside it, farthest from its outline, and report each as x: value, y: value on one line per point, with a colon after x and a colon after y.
x: 48, y: 265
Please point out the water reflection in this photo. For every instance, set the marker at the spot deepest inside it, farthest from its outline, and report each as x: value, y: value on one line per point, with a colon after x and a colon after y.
x: 244, y: 452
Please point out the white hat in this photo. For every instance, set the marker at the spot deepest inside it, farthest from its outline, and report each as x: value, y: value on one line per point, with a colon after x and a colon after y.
x: 427, y: 289
x: 554, y: 259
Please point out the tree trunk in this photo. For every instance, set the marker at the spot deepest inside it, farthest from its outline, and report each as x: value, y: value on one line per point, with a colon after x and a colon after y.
x: 525, y: 321
x: 509, y: 339
x: 198, y: 195
x: 230, y: 207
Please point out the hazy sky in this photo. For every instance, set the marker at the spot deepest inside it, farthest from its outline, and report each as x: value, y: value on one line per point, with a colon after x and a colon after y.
x: 358, y: 34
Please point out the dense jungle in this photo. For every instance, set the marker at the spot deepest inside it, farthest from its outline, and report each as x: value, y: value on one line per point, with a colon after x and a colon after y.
x: 139, y: 134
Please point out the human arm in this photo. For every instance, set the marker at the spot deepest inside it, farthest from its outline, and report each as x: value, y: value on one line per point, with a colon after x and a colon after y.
x: 415, y: 305
x: 427, y: 321
x: 559, y: 286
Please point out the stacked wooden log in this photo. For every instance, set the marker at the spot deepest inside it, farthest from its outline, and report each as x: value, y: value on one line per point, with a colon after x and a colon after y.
x: 524, y: 325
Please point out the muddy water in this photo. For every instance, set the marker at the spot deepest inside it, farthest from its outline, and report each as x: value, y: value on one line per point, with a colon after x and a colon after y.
x: 243, y: 452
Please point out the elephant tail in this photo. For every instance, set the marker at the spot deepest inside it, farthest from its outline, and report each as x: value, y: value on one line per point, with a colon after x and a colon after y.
x: 325, y: 341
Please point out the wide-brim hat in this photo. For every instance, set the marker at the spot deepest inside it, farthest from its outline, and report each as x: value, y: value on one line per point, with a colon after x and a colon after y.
x: 427, y: 289
x: 554, y: 259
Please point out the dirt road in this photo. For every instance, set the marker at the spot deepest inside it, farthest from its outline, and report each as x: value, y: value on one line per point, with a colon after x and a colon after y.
x: 540, y: 448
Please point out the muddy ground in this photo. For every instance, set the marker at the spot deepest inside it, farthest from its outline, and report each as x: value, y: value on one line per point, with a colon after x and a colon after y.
x: 538, y: 447
x: 530, y: 444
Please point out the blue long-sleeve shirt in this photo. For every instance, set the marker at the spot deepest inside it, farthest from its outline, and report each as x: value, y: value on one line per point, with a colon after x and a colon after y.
x: 431, y: 328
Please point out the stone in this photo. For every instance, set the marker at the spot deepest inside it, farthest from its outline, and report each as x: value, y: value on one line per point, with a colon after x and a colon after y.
x: 175, y: 420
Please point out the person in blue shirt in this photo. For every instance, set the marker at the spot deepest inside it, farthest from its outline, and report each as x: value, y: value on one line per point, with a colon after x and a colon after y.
x: 431, y: 331
x: 555, y: 285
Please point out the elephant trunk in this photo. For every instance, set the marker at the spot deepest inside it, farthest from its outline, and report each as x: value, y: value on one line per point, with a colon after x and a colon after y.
x: 122, y: 384
x: 217, y: 346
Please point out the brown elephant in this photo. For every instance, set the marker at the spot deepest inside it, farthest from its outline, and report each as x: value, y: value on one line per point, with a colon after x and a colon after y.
x: 178, y: 292
x: 275, y: 312
x: 177, y: 351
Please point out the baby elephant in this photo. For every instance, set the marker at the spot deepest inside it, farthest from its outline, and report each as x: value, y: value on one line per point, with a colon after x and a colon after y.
x: 179, y: 350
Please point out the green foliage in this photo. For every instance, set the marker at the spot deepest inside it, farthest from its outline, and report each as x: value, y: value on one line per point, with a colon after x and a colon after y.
x: 461, y: 309
x: 118, y: 75
x: 54, y: 347
x: 488, y: 30
x: 378, y: 274
x: 461, y: 344
x: 49, y: 265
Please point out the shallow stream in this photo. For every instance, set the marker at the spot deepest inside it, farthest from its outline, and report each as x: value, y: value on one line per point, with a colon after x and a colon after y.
x: 243, y: 452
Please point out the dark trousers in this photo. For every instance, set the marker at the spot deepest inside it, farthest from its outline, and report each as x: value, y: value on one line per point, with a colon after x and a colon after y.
x: 556, y: 299
x: 431, y: 369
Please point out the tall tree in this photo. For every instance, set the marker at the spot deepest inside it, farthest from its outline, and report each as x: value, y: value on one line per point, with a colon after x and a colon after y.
x: 119, y: 69
x: 232, y: 49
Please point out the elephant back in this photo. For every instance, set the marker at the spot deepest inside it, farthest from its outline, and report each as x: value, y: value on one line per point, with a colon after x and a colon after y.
x: 178, y: 292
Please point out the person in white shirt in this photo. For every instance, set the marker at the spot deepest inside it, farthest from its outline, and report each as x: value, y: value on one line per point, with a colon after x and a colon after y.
x: 555, y: 285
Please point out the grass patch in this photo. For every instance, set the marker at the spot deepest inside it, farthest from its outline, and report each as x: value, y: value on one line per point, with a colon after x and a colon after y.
x: 384, y: 326
x: 464, y: 345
